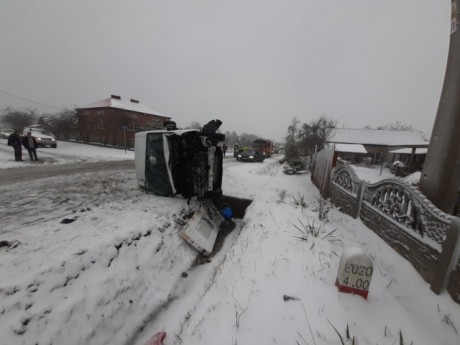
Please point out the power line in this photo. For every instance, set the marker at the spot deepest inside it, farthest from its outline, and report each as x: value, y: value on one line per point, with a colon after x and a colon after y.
x: 30, y: 101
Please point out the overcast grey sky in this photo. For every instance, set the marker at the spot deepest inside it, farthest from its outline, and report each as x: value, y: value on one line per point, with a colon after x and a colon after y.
x: 254, y: 64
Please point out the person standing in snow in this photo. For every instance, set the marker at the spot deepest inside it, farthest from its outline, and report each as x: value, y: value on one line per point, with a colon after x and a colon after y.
x: 224, y: 149
x: 30, y: 143
x: 236, y: 149
x: 16, y: 141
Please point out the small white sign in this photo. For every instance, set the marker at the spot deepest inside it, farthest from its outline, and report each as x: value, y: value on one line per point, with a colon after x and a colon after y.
x: 355, y: 272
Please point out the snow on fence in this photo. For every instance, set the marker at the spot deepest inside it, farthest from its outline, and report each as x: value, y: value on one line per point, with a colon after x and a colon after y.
x: 407, y: 221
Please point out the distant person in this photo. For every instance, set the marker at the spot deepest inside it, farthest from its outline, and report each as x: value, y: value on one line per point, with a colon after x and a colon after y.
x: 16, y: 141
x: 236, y: 149
x: 224, y: 149
x: 30, y: 143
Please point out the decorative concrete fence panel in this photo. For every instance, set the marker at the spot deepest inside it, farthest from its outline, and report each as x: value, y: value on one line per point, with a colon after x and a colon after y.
x: 408, y: 207
x: 401, y: 215
x: 407, y: 221
x: 344, y: 189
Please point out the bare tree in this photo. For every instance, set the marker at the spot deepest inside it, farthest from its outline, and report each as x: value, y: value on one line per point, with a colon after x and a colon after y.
x: 397, y: 126
x: 292, y: 139
x: 83, y: 126
x: 194, y: 125
x: 305, y: 139
x: 316, y: 133
x: 246, y: 139
x: 18, y: 119
x: 231, y: 138
x: 62, y: 124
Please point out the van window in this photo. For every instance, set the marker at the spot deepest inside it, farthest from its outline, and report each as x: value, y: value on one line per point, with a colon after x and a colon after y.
x: 156, y: 171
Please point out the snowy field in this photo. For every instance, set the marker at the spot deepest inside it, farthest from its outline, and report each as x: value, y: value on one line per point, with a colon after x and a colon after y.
x: 94, y: 260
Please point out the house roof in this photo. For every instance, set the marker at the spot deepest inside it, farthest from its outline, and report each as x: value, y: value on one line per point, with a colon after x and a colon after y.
x: 378, y: 137
x: 418, y: 151
x: 125, y: 104
x: 354, y: 148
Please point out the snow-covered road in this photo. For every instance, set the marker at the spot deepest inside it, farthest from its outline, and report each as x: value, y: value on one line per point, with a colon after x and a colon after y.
x: 21, y: 174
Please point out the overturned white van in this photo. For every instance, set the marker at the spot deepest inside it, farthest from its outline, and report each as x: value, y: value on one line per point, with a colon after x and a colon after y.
x: 186, y: 162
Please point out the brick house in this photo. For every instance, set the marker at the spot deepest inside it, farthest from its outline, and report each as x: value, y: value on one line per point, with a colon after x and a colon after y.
x: 114, y: 121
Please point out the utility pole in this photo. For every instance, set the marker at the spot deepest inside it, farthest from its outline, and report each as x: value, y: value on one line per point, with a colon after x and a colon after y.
x: 440, y: 180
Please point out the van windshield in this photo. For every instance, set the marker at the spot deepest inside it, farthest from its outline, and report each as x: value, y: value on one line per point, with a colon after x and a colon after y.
x: 156, y: 171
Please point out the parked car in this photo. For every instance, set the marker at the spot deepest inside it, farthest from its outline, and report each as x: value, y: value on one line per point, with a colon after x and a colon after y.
x: 44, y: 138
x: 5, y: 133
x: 250, y: 156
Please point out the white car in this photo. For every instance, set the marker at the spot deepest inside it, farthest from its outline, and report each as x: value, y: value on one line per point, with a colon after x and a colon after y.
x: 43, y: 137
x: 5, y: 133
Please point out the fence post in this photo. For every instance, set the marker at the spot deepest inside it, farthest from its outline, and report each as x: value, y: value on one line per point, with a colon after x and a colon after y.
x: 448, y: 258
x: 325, y: 180
x: 359, y: 199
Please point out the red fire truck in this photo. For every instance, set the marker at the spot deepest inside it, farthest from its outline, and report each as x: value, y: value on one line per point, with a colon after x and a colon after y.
x: 263, y: 146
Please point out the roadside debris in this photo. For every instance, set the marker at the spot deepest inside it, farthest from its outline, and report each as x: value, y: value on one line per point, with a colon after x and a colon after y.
x: 9, y: 244
x: 290, y: 298
x: 294, y: 167
x: 157, y: 339
x: 202, y: 229
x: 69, y: 220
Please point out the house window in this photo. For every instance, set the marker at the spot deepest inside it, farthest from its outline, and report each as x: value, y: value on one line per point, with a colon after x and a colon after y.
x: 377, y: 158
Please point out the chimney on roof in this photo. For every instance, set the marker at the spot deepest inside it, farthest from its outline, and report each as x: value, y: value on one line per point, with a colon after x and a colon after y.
x: 134, y: 101
x: 115, y: 97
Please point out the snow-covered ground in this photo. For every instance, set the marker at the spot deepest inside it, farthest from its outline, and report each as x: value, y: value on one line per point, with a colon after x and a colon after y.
x: 116, y: 271
x: 372, y: 173
x: 66, y: 152
x: 375, y: 173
